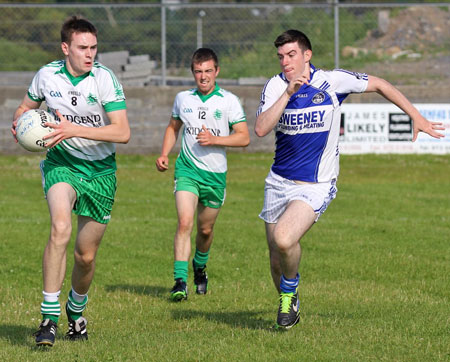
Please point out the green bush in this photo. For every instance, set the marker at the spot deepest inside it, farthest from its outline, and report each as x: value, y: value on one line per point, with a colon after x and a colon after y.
x: 19, y: 56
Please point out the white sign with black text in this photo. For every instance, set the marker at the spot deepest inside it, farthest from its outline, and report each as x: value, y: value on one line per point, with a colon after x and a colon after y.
x: 384, y: 128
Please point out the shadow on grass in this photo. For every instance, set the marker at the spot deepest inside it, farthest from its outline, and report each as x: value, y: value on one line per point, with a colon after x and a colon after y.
x: 16, y: 335
x: 154, y: 291
x: 245, y: 319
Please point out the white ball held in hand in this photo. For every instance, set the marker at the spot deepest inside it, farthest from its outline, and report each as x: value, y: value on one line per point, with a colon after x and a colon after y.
x: 31, y: 128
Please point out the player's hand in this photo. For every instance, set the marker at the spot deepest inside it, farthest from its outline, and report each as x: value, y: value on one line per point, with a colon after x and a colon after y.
x: 13, y: 130
x: 295, y: 84
x: 423, y: 125
x: 205, y: 137
x: 63, y: 130
x: 162, y: 163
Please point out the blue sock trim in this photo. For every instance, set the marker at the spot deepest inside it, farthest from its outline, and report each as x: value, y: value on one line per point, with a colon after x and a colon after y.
x: 289, y: 285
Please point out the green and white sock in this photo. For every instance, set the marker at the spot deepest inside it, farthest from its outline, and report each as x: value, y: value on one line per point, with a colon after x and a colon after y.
x: 200, y: 258
x: 50, y: 307
x: 180, y: 270
x: 76, y: 304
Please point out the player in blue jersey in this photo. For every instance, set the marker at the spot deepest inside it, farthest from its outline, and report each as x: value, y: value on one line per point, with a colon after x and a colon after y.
x: 79, y: 170
x: 302, y: 104
x: 213, y: 119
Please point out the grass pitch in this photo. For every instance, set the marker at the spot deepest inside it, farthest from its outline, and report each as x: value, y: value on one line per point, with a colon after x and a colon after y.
x: 374, y: 274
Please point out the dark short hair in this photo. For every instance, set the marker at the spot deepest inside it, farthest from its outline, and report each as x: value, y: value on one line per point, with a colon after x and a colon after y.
x: 76, y: 24
x: 202, y: 55
x: 292, y: 36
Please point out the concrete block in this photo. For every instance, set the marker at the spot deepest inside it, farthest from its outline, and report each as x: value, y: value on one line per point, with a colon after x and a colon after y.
x: 114, y: 58
x: 133, y: 59
x: 147, y: 66
x: 252, y: 81
x: 138, y: 73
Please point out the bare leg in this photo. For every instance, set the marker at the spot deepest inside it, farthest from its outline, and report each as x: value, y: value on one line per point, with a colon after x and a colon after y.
x: 206, y: 219
x: 60, y: 198
x: 186, y: 203
x: 283, y: 239
x: 274, y: 256
x: 89, y: 236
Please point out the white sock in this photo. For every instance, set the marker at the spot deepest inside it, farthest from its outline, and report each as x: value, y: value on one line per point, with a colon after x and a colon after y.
x: 79, y: 298
x: 51, y: 297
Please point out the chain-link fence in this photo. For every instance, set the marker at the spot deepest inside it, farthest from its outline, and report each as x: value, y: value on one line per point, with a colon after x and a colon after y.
x: 162, y: 37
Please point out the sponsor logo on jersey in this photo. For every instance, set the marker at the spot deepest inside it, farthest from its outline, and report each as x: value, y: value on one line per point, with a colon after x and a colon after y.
x: 217, y: 114
x: 188, y: 110
x: 318, y: 98
x: 194, y: 131
x: 94, y: 119
x: 74, y: 93
x: 303, y: 120
x: 301, y: 95
x: 55, y: 94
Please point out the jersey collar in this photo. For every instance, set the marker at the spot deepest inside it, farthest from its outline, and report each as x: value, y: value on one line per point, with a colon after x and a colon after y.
x: 74, y: 80
x: 204, y: 98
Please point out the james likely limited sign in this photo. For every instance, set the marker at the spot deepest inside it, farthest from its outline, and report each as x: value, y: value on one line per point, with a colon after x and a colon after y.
x: 384, y: 128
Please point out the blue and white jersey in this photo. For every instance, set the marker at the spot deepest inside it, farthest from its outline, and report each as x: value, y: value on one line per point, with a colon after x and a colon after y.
x: 307, y: 133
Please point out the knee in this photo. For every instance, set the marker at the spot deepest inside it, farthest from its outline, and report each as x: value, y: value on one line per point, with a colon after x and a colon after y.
x: 185, y: 225
x: 283, y: 243
x: 84, y: 260
x: 60, y: 232
x: 205, y: 231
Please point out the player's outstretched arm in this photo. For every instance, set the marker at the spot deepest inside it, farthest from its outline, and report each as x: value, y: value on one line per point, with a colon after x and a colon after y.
x: 239, y: 137
x: 170, y: 138
x: 118, y: 131
x: 393, y: 95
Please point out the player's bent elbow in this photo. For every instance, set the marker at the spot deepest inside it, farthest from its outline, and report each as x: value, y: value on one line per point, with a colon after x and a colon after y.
x: 244, y: 141
x: 260, y: 132
x: 125, y: 137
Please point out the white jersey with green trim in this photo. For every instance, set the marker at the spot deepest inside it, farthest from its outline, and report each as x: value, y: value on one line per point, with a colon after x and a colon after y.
x: 218, y: 112
x: 84, y: 101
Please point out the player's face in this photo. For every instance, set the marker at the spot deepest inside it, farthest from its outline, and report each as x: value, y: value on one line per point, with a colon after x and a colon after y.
x: 293, y: 60
x: 80, y: 53
x: 205, y: 75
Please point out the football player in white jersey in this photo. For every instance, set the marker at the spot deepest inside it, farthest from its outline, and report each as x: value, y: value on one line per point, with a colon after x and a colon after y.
x: 302, y: 105
x: 79, y: 171
x: 207, y: 112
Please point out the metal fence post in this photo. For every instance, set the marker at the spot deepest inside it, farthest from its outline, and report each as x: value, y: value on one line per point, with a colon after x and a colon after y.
x: 200, y: 16
x: 336, y: 34
x: 163, y: 44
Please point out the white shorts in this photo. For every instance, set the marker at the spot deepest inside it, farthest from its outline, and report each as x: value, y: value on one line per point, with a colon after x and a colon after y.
x: 278, y: 192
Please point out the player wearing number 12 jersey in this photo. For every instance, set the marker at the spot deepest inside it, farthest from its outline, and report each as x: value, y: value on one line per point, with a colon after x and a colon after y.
x: 208, y: 113
x: 79, y: 171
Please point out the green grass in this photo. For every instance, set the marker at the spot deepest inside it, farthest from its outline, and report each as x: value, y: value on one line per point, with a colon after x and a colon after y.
x: 375, y: 269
